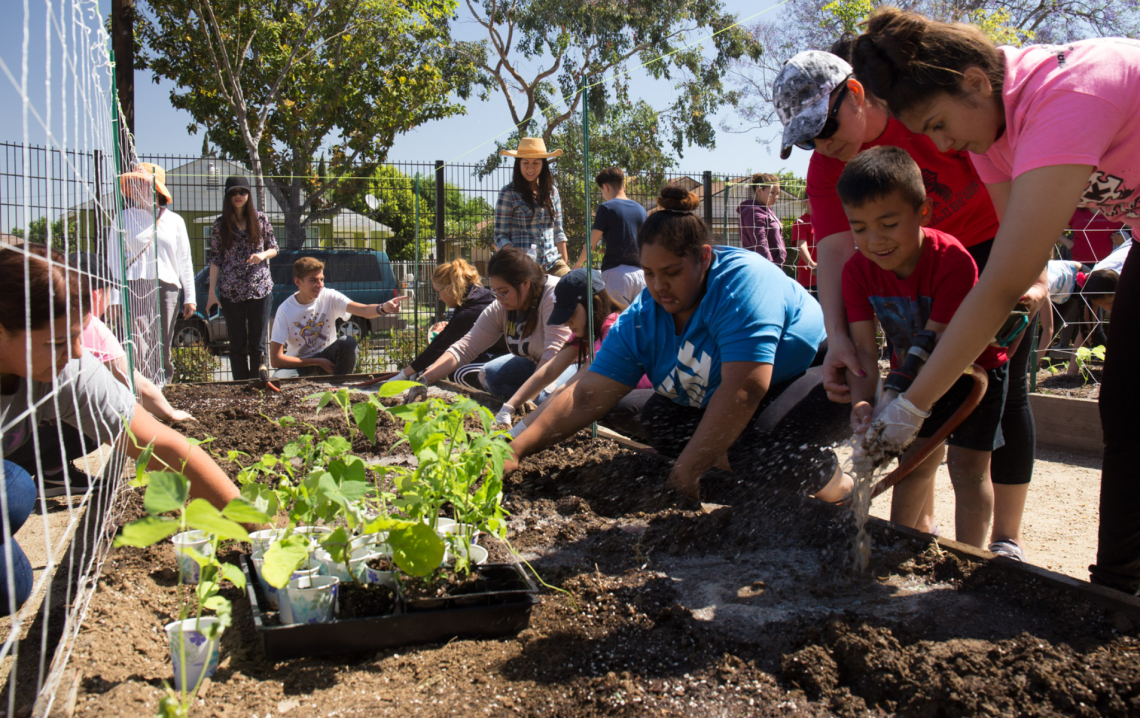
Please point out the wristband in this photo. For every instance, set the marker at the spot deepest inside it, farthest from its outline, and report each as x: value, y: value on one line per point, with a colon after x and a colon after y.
x: 911, y: 409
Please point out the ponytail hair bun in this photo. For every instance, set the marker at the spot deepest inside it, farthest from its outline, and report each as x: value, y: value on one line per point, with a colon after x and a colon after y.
x: 676, y: 225
x: 909, y: 60
x: 676, y: 198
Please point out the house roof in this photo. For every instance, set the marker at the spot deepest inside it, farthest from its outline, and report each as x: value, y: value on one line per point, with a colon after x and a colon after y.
x: 198, y: 188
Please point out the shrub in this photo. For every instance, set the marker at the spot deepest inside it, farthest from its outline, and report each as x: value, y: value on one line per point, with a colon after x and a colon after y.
x: 194, y: 363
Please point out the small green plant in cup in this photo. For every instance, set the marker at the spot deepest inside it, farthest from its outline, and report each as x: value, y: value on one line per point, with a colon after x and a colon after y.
x: 167, y: 514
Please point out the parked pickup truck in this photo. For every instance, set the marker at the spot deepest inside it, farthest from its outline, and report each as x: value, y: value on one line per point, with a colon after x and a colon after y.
x: 362, y: 275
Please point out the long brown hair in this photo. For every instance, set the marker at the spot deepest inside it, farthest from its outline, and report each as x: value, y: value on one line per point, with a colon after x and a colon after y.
x: 53, y: 289
x: 604, y: 306
x: 229, y: 224
x: 908, y: 61
x: 545, y: 186
x: 511, y: 265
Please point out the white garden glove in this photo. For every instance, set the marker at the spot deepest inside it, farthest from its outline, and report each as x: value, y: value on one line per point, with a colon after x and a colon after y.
x: 893, y: 431
x: 518, y: 429
x: 504, y: 415
x: 401, y: 375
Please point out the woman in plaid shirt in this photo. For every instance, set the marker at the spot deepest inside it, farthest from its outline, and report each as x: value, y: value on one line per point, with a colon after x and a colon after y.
x: 529, y: 210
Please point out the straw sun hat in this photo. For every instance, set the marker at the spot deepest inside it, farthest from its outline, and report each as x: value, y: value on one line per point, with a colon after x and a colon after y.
x: 139, y: 182
x: 531, y: 148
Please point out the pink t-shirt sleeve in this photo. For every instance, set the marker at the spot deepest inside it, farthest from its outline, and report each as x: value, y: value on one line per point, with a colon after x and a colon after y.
x: 1065, y: 128
x: 98, y: 339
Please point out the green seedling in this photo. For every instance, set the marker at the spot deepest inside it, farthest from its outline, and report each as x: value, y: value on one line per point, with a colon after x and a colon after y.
x: 167, y: 514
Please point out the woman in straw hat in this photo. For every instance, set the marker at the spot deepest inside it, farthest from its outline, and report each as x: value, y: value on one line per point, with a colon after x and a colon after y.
x: 529, y: 211
x: 157, y: 255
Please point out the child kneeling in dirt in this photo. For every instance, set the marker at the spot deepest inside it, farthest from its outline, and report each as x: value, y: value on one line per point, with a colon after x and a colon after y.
x: 303, y: 341
x: 913, y: 278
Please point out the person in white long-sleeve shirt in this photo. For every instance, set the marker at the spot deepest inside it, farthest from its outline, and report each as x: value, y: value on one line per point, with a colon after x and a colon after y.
x: 155, y: 248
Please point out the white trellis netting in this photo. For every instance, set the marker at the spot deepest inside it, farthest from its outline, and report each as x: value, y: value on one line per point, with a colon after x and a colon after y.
x: 1074, y: 331
x: 59, y: 187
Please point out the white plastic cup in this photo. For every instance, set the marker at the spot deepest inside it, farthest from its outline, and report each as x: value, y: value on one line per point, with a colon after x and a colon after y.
x: 188, y: 568
x: 458, y: 530
x: 284, y: 608
x: 312, y: 599
x: 359, y: 563
x: 478, y: 555
x: 260, y: 540
x: 201, y: 654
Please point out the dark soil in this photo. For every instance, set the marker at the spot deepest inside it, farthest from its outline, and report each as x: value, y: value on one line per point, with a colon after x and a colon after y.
x: 438, y: 585
x: 237, y: 418
x: 746, y: 607
x: 381, y: 563
x: 1062, y: 384
x: 365, y: 600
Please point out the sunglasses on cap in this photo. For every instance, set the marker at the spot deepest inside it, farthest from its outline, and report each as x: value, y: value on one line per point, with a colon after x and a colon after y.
x: 831, y: 125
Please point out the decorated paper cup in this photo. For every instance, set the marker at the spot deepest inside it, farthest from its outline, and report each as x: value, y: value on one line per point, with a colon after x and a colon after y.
x: 196, y: 541
x: 194, y: 656
x: 313, y: 599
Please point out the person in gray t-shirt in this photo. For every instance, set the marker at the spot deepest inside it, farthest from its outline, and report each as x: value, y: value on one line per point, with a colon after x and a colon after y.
x: 47, y: 324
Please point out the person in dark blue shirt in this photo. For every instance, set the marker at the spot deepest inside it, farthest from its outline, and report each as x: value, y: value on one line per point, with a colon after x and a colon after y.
x: 722, y: 336
x: 616, y: 225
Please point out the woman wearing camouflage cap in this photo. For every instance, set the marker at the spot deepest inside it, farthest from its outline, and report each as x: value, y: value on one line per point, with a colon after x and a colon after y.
x: 827, y: 110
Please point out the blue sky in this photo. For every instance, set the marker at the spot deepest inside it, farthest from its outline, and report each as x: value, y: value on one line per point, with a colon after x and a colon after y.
x: 161, y: 129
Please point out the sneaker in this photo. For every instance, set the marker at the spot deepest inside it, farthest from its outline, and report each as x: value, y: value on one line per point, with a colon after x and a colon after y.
x: 1009, y: 549
x: 76, y: 481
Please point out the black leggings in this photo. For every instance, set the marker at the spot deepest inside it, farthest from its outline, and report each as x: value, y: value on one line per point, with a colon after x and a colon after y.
x: 1013, y: 463
x: 246, y: 323
x: 1118, y: 547
x: 782, y: 446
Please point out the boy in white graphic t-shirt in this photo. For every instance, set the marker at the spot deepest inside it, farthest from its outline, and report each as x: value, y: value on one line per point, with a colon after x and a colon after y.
x: 303, y: 340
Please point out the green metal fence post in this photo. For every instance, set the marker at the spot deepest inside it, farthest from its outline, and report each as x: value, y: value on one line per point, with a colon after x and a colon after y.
x: 416, y: 267
x: 588, y: 224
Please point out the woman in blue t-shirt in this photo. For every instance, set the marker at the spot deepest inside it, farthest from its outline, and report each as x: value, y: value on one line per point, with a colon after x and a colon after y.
x: 721, y: 335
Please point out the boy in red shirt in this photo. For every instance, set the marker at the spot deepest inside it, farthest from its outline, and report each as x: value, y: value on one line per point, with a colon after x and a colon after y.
x: 913, y: 278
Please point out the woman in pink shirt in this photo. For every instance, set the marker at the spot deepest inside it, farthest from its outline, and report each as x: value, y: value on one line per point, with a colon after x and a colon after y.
x: 1049, y: 128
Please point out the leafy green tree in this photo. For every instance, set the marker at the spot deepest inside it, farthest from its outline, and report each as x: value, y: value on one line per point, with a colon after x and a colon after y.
x: 396, y: 192
x: 627, y: 135
x: 595, y: 42
x: 276, y: 81
x: 64, y: 234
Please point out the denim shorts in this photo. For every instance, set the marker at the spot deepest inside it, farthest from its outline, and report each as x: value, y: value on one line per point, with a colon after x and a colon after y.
x: 981, y: 431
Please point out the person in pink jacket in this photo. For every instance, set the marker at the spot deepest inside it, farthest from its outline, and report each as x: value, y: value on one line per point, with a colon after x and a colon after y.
x: 760, y: 229
x: 524, y: 299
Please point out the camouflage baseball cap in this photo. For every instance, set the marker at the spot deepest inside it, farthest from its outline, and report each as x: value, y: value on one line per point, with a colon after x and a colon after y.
x: 801, y: 94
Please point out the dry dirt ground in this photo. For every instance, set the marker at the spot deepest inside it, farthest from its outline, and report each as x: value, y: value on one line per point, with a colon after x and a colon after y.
x: 1061, y: 513
x: 737, y: 611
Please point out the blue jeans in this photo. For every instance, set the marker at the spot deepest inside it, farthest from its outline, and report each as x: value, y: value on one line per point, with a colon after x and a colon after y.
x: 504, y: 375
x: 16, y: 583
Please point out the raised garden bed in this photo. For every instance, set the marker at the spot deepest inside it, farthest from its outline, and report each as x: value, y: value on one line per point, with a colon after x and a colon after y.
x: 747, y: 607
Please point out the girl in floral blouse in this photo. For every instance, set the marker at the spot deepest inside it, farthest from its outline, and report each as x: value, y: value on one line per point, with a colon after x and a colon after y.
x: 239, y: 276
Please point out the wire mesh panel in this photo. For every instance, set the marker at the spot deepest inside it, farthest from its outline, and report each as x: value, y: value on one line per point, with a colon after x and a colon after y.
x: 62, y: 410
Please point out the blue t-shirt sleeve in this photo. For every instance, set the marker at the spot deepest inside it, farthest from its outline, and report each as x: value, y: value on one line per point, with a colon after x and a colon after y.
x: 749, y: 316
x: 601, y: 218
x: 618, y: 358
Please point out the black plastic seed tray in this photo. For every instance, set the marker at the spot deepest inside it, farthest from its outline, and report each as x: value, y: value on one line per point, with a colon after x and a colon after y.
x: 503, y: 611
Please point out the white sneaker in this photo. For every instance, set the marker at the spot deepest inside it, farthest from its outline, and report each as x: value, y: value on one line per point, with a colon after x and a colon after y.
x: 1009, y: 549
